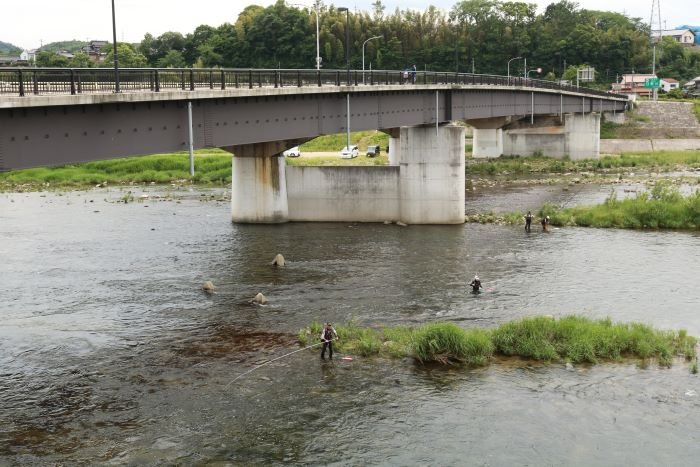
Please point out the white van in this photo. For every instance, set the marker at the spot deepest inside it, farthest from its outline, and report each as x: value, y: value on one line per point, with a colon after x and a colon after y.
x: 346, y: 153
x: 292, y: 152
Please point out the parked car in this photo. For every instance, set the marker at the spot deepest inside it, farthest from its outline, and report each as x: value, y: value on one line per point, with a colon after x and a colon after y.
x: 292, y: 152
x: 373, y: 151
x: 346, y: 153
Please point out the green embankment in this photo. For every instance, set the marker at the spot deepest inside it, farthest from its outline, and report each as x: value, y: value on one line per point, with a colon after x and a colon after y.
x: 212, y: 166
x: 336, y: 142
x: 572, y: 339
x: 663, y: 161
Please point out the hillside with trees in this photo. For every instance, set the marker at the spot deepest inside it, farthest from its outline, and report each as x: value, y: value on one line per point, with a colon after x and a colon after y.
x: 9, y: 49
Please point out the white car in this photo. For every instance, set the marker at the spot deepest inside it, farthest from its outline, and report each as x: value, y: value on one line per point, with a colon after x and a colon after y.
x: 292, y: 152
x: 346, y: 153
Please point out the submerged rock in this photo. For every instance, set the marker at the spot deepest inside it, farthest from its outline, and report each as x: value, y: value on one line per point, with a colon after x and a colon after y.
x: 278, y: 261
x: 208, y: 287
x: 260, y: 299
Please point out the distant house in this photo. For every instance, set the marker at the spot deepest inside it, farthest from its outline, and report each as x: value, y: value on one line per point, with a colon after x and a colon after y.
x: 669, y: 84
x: 96, y: 50
x: 633, y: 84
x: 13, y: 61
x: 682, y: 36
x: 692, y: 87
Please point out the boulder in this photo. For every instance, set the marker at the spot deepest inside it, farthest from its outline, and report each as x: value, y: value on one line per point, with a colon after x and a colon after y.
x: 260, y: 299
x: 208, y: 287
x: 278, y: 261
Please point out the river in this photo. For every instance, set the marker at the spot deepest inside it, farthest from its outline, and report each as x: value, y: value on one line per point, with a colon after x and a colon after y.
x: 111, y: 354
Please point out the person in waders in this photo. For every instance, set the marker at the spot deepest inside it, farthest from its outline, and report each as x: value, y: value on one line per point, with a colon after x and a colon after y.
x: 528, y: 221
x: 545, y: 223
x: 328, y: 335
x: 476, y: 284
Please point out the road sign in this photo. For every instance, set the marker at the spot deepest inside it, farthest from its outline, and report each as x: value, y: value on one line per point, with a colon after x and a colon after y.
x: 652, y: 83
x: 586, y: 74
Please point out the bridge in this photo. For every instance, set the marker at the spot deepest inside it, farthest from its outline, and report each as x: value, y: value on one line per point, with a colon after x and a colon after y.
x: 59, y: 116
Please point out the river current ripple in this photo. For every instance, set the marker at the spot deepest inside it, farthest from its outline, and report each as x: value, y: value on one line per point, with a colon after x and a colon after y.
x: 111, y: 354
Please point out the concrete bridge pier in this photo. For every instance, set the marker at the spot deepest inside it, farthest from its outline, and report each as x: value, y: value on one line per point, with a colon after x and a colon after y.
x: 432, y: 175
x: 394, y: 145
x: 487, y: 140
x: 258, y: 183
x: 577, y: 136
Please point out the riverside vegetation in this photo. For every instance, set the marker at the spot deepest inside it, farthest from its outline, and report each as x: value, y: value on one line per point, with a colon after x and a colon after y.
x: 573, y: 339
x: 662, y: 207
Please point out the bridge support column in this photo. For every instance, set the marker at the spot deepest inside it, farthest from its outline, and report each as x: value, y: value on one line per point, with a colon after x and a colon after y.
x: 259, y: 184
x: 394, y: 145
x: 487, y: 139
x: 577, y: 138
x: 432, y: 175
x: 487, y: 143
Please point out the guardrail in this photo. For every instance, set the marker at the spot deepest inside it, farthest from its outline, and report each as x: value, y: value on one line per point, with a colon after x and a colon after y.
x: 51, y: 81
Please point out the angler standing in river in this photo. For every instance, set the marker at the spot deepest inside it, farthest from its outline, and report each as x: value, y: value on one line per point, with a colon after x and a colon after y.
x: 475, y: 284
x: 328, y: 335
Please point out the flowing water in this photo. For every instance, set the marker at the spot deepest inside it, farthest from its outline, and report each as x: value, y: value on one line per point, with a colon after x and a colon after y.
x: 111, y: 354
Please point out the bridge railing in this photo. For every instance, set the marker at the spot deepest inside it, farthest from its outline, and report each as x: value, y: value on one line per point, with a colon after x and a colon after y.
x: 51, y: 81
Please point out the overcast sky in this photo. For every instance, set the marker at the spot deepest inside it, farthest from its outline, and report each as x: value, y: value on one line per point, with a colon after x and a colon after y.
x: 29, y: 24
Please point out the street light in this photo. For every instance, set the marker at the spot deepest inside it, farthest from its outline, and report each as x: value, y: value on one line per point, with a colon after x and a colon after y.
x: 538, y: 70
x: 363, y: 55
x: 347, y: 64
x: 347, y: 38
x: 116, y: 60
x: 514, y: 58
x: 318, y: 54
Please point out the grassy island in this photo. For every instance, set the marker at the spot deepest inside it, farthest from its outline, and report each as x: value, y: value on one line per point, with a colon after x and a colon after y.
x: 662, y: 207
x: 572, y: 339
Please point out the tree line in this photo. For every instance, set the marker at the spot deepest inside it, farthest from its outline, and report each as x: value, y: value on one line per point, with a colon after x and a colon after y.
x: 474, y: 35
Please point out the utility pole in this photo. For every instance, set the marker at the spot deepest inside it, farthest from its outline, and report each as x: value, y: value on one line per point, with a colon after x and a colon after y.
x: 655, y: 20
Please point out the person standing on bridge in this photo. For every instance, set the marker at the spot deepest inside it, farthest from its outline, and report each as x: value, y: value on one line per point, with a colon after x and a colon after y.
x: 328, y: 335
x: 413, y: 73
x: 528, y: 221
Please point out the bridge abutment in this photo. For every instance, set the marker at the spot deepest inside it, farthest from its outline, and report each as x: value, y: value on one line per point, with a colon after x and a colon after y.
x: 577, y: 137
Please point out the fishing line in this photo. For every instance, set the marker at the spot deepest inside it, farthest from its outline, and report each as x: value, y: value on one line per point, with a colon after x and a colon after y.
x: 270, y: 361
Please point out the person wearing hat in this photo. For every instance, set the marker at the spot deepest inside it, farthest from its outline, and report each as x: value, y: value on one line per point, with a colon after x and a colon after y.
x: 475, y: 284
x: 544, y: 222
x: 328, y: 335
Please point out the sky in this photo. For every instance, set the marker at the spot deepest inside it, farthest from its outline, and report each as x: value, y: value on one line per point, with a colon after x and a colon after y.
x: 44, y: 21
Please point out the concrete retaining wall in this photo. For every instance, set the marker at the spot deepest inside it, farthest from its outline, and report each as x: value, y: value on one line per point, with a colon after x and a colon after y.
x: 347, y: 194
x: 620, y: 146
x: 426, y: 187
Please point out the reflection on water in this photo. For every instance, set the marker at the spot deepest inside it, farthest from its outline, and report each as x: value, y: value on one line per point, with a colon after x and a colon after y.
x: 111, y: 353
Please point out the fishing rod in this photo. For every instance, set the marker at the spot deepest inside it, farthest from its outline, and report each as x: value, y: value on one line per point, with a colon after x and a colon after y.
x: 273, y: 360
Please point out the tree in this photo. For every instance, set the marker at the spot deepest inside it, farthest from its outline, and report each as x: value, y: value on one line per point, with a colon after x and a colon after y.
x: 80, y: 60
x: 128, y: 57
x: 51, y: 59
x: 173, y: 59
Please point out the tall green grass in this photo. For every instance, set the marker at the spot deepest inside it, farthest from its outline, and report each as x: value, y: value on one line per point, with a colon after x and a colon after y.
x: 569, y: 339
x: 663, y: 207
